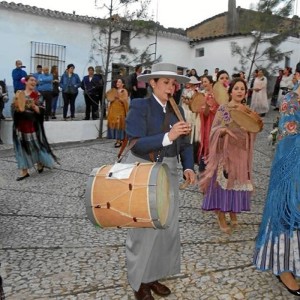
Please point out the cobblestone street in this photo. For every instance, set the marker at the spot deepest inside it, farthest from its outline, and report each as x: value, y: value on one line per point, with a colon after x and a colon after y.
x: 50, y: 250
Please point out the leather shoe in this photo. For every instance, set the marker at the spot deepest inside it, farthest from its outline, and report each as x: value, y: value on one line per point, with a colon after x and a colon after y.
x: 293, y: 292
x: 144, y: 293
x: 159, y: 289
x: 23, y: 177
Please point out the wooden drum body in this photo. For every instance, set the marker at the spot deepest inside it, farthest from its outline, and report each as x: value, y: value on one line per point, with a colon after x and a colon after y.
x: 246, y: 118
x: 140, y: 200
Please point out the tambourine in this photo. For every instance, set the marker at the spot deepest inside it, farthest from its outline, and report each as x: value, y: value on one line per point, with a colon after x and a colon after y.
x: 111, y: 94
x: 220, y: 93
x: 246, y: 118
x: 197, y: 102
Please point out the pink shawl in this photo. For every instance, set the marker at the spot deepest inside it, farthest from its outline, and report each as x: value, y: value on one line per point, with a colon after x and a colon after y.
x: 234, y: 156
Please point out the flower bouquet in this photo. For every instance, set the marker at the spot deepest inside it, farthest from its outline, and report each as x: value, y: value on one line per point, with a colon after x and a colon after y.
x: 272, y: 137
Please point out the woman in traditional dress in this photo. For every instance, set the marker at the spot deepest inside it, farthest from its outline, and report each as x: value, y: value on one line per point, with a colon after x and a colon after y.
x: 207, y: 115
x: 155, y: 253
x: 227, y: 180
x: 190, y: 90
x: 259, y: 100
x: 118, y: 107
x: 30, y: 142
x: 285, y: 85
x: 278, y: 241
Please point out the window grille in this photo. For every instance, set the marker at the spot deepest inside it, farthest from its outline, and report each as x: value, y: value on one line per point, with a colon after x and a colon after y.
x: 47, y: 54
x: 287, y: 61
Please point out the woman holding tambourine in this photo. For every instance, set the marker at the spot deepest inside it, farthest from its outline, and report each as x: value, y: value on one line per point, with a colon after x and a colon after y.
x: 118, y: 107
x: 227, y: 180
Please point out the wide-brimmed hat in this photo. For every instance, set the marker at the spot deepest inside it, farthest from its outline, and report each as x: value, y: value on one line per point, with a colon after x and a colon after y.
x: 194, y: 80
x: 166, y: 70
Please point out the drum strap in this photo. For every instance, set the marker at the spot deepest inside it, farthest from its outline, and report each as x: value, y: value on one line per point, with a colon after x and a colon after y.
x: 129, y: 147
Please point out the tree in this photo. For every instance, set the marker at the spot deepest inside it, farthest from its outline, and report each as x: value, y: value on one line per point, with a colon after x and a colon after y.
x: 269, y: 26
x: 128, y: 17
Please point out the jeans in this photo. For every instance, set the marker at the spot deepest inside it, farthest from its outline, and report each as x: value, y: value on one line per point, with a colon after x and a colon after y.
x: 54, y: 103
x: 69, y: 99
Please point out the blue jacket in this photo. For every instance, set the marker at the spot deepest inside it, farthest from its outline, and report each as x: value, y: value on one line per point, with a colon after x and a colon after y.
x: 93, y: 87
x: 17, y: 75
x: 45, y: 82
x: 145, y: 121
x: 70, y: 84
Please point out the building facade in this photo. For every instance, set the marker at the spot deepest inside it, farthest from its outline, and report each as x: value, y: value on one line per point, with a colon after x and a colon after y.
x: 40, y: 36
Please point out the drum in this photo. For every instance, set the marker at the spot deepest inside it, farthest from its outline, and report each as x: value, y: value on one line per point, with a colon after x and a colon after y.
x: 220, y: 93
x: 246, y: 118
x: 197, y: 102
x: 129, y: 196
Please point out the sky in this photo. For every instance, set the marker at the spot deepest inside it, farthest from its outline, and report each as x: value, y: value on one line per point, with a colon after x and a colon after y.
x: 169, y: 13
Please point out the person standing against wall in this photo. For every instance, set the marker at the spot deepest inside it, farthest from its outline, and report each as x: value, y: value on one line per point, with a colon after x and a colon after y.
x: 91, y: 84
x: 17, y: 74
x: 55, y: 92
x: 45, y: 88
x: 69, y: 82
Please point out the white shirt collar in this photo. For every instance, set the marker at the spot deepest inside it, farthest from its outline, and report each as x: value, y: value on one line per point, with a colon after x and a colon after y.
x: 162, y: 105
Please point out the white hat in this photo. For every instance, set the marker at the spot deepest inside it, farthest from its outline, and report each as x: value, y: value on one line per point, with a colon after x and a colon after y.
x: 166, y: 70
x: 194, y: 80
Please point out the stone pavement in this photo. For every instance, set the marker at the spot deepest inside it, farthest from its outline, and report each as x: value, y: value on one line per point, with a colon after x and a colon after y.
x: 50, y: 250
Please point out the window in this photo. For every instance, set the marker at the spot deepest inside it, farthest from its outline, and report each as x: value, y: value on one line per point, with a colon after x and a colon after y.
x: 199, y: 52
x: 46, y: 54
x: 287, y: 61
x: 125, y: 38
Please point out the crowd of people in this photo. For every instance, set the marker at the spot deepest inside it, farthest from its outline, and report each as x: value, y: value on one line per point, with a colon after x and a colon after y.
x: 49, y: 84
x: 202, y: 132
x: 224, y: 149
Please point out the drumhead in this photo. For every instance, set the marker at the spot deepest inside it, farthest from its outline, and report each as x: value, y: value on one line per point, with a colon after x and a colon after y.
x: 246, y: 121
x: 160, y: 194
x: 220, y: 93
x: 88, y: 197
x: 197, y: 102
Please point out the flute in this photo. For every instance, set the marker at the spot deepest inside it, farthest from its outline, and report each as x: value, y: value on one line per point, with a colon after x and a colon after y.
x: 180, y: 118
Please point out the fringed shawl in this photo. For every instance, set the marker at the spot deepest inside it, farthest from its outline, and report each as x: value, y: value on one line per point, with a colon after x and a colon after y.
x: 234, y: 156
x: 118, y: 108
x: 23, y: 112
x: 282, y: 210
x: 206, y: 122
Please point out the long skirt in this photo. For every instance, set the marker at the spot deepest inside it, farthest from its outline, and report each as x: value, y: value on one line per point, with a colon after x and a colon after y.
x: 225, y: 200
x: 29, y: 151
x: 279, y: 254
x: 155, y: 253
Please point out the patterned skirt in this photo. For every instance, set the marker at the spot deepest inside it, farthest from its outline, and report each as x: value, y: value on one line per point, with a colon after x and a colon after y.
x: 29, y: 151
x: 279, y: 254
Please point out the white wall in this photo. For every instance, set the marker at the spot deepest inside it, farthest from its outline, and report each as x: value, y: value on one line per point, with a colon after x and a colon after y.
x: 218, y: 54
x: 20, y: 28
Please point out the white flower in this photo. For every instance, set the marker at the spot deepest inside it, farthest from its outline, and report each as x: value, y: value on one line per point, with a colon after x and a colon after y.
x: 275, y: 130
x: 270, y: 138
